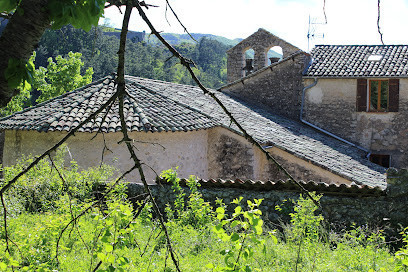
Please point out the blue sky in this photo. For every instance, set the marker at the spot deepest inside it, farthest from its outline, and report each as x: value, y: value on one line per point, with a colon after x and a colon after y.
x: 349, y: 21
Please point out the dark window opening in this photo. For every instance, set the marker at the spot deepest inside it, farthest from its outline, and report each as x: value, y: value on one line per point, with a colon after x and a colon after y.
x: 378, y: 94
x: 381, y: 159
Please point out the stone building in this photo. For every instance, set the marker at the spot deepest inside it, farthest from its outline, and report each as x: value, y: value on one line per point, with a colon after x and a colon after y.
x: 177, y: 125
x: 355, y: 93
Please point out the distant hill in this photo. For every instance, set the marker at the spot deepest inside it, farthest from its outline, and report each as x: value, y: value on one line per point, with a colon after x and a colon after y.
x: 175, y: 39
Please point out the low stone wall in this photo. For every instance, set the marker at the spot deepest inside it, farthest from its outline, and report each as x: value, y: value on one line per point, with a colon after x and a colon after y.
x: 339, y: 208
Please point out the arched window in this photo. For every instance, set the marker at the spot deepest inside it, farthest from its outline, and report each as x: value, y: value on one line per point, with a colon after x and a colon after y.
x: 248, y: 62
x: 273, y: 55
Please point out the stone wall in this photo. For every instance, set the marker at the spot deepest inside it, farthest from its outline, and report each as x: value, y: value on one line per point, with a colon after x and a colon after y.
x: 339, y: 208
x: 261, y: 41
x: 277, y: 88
x: 331, y: 105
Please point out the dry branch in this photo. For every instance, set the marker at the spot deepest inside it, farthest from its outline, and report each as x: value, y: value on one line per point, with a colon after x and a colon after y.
x: 187, y: 63
x: 121, y: 90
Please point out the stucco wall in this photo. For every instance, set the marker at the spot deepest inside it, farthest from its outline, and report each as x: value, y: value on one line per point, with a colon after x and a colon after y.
x: 331, y: 105
x: 160, y: 151
x: 277, y: 88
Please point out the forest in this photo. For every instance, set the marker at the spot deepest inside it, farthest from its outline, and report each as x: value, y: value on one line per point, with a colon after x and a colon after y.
x: 144, y: 58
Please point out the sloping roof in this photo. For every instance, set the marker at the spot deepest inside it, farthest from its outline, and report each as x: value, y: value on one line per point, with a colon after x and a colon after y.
x: 354, y: 61
x: 144, y: 109
x: 163, y: 106
x: 273, y: 130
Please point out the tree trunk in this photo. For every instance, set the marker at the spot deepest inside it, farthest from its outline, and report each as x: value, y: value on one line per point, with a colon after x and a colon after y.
x: 20, y: 38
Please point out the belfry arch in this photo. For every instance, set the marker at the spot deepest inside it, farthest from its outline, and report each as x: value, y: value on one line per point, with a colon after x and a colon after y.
x: 260, y: 42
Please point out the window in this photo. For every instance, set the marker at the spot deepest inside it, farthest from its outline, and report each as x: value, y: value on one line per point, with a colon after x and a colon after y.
x: 381, y: 159
x: 378, y: 95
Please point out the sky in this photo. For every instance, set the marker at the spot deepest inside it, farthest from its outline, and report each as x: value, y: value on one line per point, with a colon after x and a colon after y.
x: 348, y: 21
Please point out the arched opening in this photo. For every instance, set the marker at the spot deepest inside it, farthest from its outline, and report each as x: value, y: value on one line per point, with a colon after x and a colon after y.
x: 273, y: 55
x: 248, y: 62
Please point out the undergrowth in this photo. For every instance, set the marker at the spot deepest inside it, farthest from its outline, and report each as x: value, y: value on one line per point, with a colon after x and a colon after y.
x: 115, y: 235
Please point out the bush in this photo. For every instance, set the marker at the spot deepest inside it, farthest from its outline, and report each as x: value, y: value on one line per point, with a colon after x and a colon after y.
x: 196, y: 212
x: 40, y: 188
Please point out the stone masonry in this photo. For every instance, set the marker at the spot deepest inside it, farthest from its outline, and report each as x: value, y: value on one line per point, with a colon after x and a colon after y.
x: 261, y: 41
x: 331, y: 105
x: 276, y: 88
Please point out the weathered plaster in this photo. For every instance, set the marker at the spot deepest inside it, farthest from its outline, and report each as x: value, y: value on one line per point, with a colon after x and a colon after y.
x: 301, y: 169
x: 230, y: 156
x: 159, y: 151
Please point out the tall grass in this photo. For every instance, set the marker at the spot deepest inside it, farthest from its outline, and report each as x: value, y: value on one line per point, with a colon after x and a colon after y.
x: 109, y: 238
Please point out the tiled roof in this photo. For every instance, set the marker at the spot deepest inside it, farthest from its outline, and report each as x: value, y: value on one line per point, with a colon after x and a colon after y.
x: 269, y: 129
x: 144, y: 110
x: 353, y: 61
x: 281, y: 185
x: 163, y: 106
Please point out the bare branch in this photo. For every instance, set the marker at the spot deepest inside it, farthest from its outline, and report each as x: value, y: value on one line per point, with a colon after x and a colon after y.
x: 121, y: 89
x: 378, y: 23
x: 175, y: 15
x: 46, y: 153
x: 185, y: 62
x: 89, y: 208
x: 5, y: 222
x: 70, y: 201
x: 324, y: 11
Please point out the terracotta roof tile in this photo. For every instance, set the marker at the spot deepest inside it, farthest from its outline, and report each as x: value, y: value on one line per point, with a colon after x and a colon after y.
x: 281, y: 185
x: 353, y: 61
x: 144, y: 110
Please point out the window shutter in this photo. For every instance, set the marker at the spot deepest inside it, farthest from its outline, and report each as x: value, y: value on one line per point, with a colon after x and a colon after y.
x: 393, y: 95
x: 361, y: 94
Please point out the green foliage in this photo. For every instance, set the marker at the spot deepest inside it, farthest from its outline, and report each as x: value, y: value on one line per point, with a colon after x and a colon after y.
x: 109, y: 238
x: 80, y: 14
x: 241, y: 227
x: 41, y: 187
x: 19, y: 73
x: 61, y: 76
x: 8, y: 5
x: 143, y: 59
x: 195, y: 211
x: 305, y: 224
x: 401, y: 255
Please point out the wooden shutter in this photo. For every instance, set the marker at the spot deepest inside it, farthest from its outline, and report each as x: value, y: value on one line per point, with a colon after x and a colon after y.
x: 361, y: 100
x: 393, y: 95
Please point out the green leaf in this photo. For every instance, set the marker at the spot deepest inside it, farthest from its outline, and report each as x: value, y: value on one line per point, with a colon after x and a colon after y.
x: 3, y: 266
x: 234, y: 237
x: 8, y: 5
x: 210, y: 266
x: 108, y: 248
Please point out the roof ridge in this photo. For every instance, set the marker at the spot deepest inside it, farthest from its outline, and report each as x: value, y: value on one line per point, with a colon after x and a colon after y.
x: 144, y: 119
x: 177, y: 102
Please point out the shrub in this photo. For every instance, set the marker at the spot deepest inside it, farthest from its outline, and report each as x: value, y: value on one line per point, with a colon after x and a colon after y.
x: 40, y: 188
x: 195, y: 211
